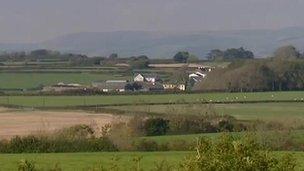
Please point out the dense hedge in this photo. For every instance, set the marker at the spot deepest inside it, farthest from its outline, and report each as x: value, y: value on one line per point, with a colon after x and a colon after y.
x: 75, y: 139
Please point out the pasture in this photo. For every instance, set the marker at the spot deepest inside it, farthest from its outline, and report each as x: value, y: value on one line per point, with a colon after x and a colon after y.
x: 242, y: 111
x: 85, y: 161
x: 34, y: 80
x: 297, y: 135
x: 63, y: 101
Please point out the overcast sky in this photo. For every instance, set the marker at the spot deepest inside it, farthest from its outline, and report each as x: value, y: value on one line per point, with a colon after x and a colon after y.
x: 37, y: 20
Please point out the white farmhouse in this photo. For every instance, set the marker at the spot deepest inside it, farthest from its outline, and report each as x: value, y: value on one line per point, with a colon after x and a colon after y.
x: 139, y: 78
x: 151, y: 78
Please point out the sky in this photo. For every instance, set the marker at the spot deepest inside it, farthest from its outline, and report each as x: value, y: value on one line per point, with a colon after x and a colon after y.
x: 26, y: 21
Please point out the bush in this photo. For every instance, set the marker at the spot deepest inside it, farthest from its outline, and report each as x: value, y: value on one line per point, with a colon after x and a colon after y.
x: 230, y: 153
x: 25, y: 165
x: 156, y: 126
x: 219, y: 154
x: 75, y: 139
x: 192, y: 124
x: 225, y: 125
x: 177, y: 124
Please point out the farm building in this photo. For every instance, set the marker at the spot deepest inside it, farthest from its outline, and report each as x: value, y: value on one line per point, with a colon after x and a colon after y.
x: 139, y: 78
x: 61, y: 87
x: 152, y: 78
x: 111, y: 85
x: 197, y: 76
x: 206, y: 68
x: 172, y: 86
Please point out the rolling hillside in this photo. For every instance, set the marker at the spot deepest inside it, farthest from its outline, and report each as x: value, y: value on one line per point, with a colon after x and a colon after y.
x: 165, y: 44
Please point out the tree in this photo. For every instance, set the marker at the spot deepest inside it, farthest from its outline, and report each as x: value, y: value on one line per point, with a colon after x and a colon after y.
x: 239, y: 53
x: 40, y: 52
x: 113, y: 56
x: 139, y: 62
x: 230, y: 54
x: 181, y: 57
x: 240, y: 76
x: 180, y: 75
x: 133, y: 86
x: 215, y: 54
x: 156, y: 126
x: 192, y: 59
x: 287, y: 52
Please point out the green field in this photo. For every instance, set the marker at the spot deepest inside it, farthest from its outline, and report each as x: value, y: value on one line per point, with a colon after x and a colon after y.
x: 33, y: 80
x: 36, y: 101
x: 82, y: 161
x: 296, y: 135
x: 245, y: 111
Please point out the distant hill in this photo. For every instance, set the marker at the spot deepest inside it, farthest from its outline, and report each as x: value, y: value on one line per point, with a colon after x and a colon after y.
x: 165, y: 44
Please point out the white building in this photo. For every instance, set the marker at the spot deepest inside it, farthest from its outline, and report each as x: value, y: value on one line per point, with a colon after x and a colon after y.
x: 139, y: 78
x: 152, y: 78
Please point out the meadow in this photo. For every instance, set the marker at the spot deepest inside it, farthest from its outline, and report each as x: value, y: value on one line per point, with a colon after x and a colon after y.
x: 63, y: 101
x: 22, y: 77
x: 297, y: 135
x: 242, y: 111
x: 84, y: 161
x: 34, y: 80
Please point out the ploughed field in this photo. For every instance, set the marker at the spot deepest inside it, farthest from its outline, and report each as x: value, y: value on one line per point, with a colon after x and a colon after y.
x: 23, y: 122
x: 63, y: 101
x: 86, y: 161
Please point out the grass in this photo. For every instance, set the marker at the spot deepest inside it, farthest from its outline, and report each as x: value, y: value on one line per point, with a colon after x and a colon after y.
x: 245, y: 111
x: 187, y: 137
x: 82, y: 161
x: 57, y: 101
x: 297, y: 135
x: 32, y: 80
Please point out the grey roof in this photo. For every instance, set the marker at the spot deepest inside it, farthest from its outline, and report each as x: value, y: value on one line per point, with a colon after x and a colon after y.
x: 116, y: 81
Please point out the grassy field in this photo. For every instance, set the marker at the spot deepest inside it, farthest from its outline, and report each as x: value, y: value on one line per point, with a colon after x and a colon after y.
x: 245, y: 111
x: 82, y: 161
x: 36, y: 101
x: 297, y: 135
x: 32, y: 80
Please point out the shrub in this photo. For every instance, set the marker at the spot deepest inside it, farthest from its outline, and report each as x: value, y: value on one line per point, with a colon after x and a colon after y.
x: 225, y: 125
x: 25, y: 165
x: 230, y: 153
x: 177, y: 124
x: 156, y: 126
x: 121, y: 135
x: 74, y: 139
x: 181, y: 124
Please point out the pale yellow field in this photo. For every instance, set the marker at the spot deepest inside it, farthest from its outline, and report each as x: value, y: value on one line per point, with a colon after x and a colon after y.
x: 23, y: 122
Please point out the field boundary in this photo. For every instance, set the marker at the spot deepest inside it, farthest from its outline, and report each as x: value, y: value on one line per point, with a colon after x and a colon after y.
x: 151, y: 104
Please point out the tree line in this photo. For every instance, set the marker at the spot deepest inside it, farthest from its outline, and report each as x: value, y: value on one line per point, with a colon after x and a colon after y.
x: 283, y: 71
